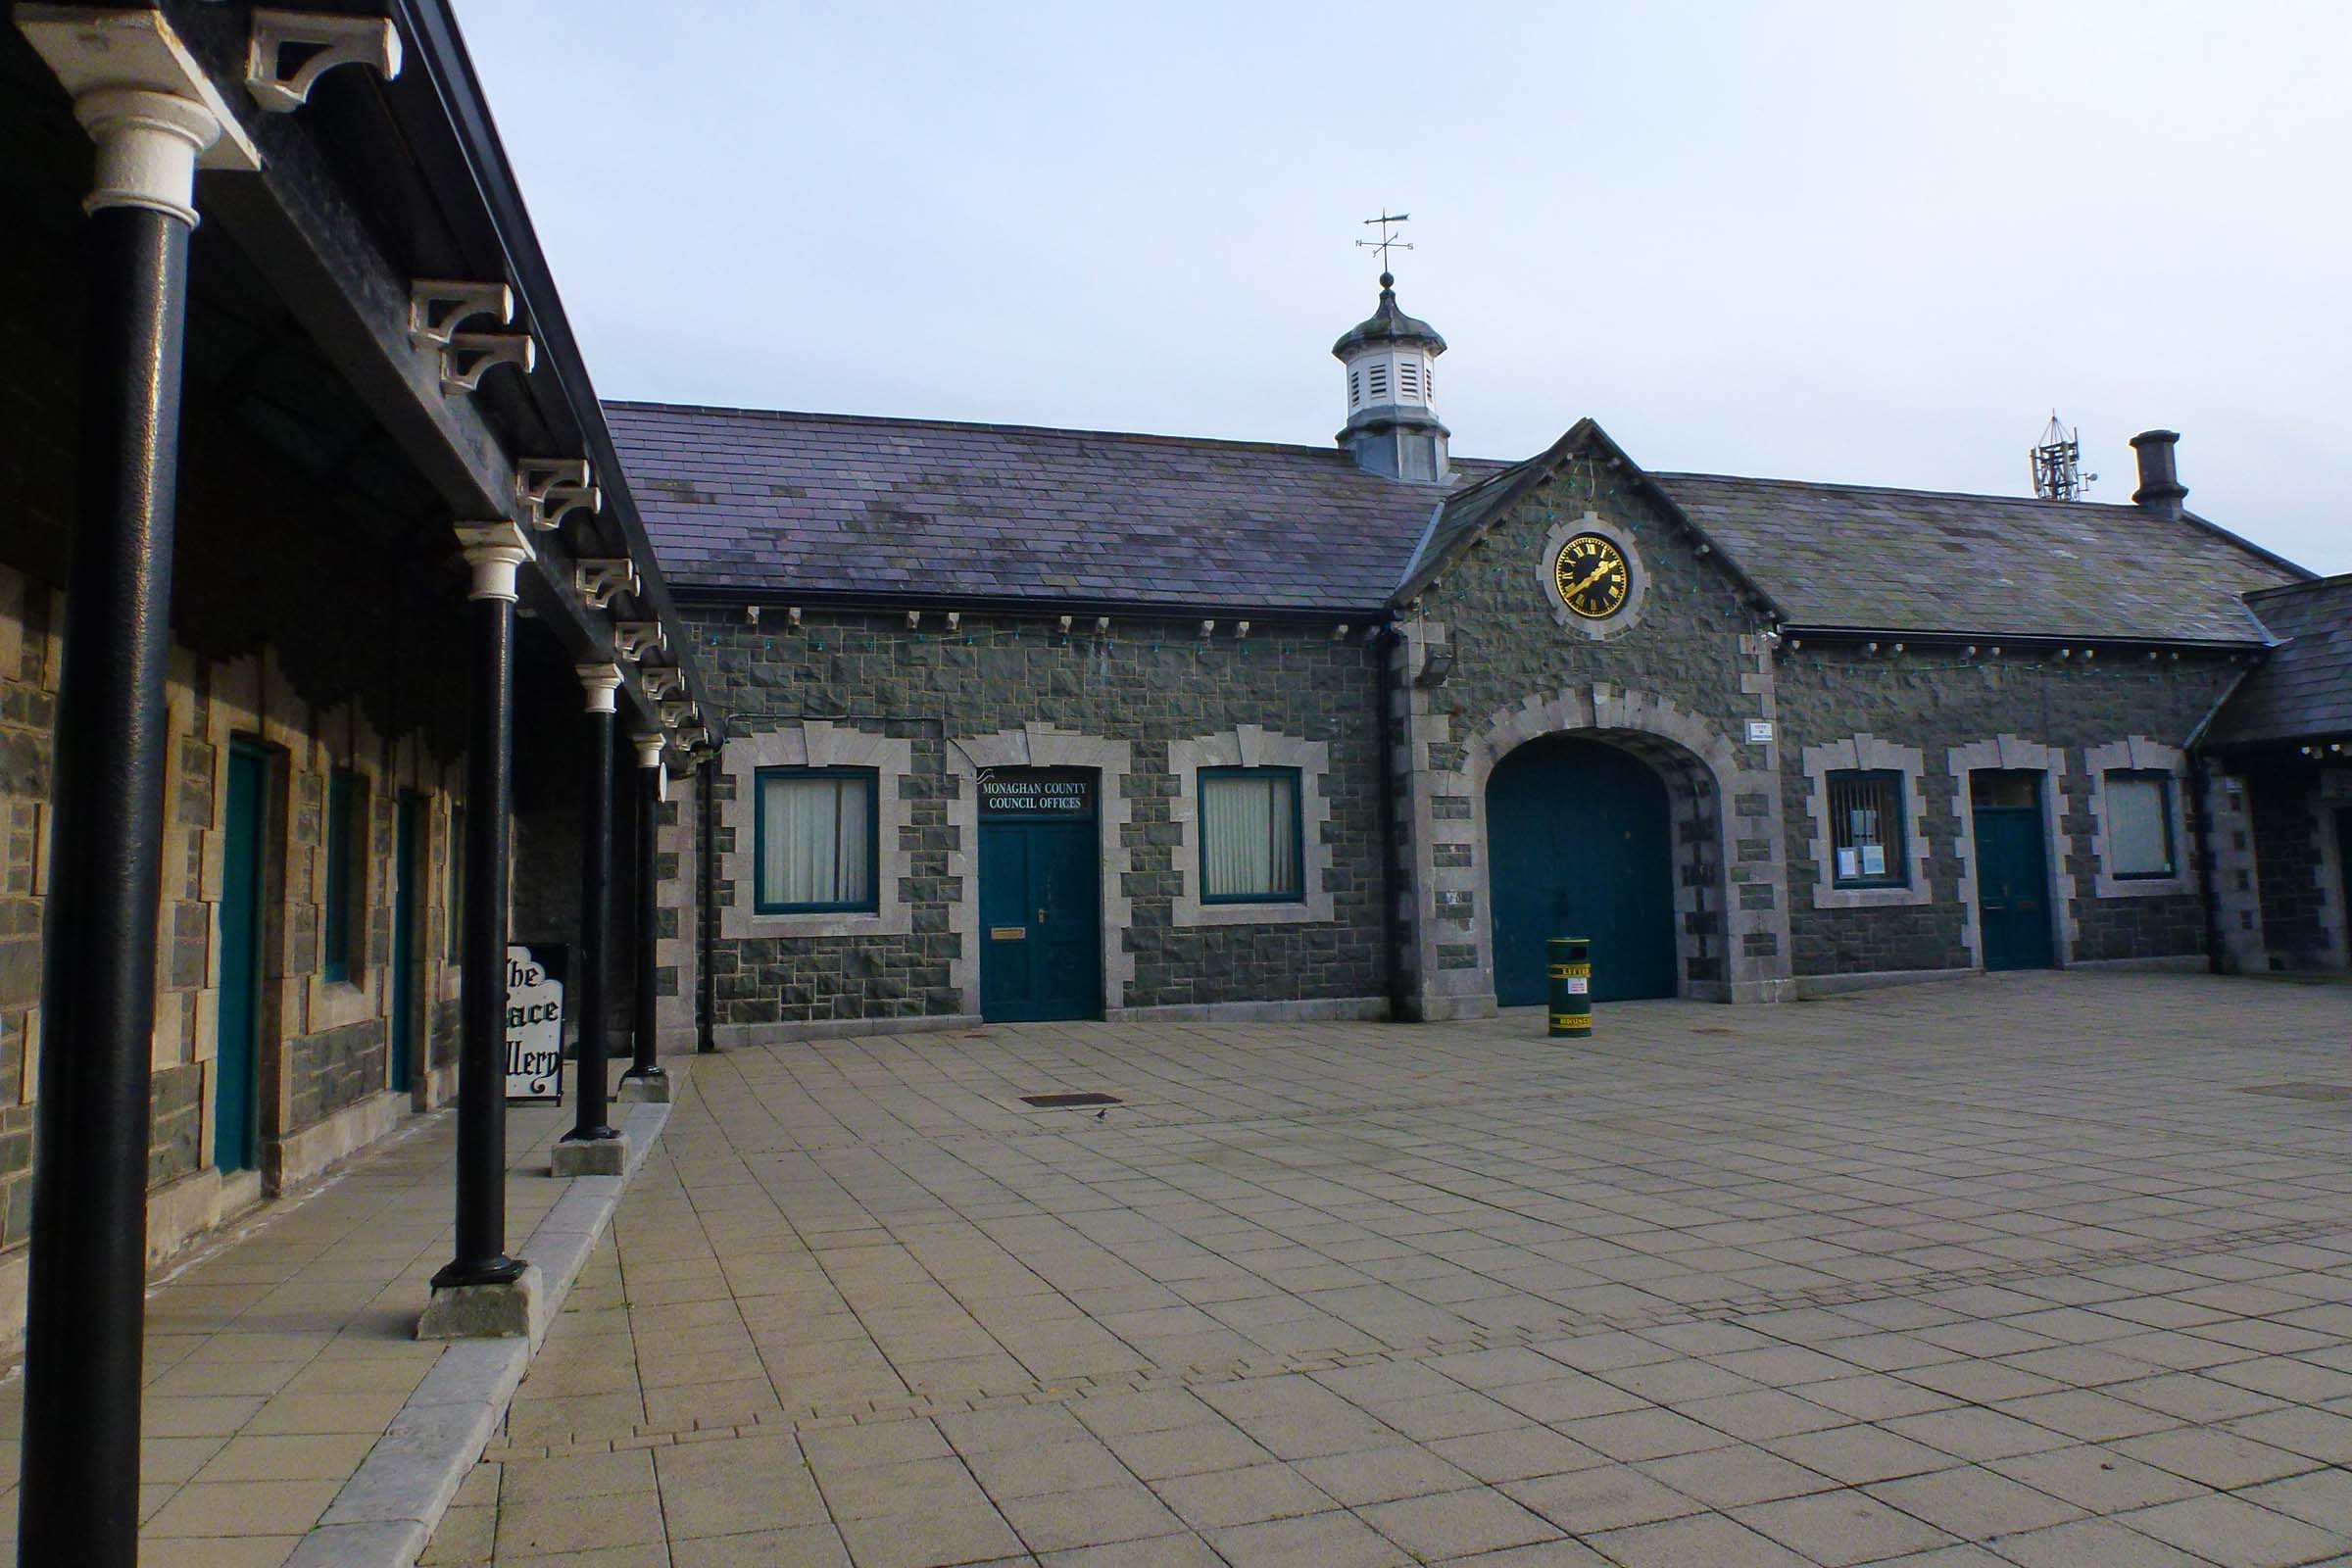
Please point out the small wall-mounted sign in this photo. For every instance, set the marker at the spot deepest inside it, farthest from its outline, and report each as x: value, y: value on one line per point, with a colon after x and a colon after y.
x: 1037, y: 792
x: 535, y: 1022
x: 1759, y: 731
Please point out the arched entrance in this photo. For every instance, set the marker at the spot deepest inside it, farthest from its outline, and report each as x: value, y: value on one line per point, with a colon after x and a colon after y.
x: 1580, y: 844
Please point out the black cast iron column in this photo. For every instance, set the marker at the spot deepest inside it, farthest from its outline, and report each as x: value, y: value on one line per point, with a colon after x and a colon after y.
x: 706, y: 943
x: 596, y: 911
x: 86, y: 1316
x: 85, y: 1311
x: 496, y: 551
x: 648, y: 805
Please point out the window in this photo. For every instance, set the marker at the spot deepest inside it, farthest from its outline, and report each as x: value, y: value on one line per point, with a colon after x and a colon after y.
x: 816, y: 832
x: 1866, y: 831
x: 2140, y: 823
x: 1249, y: 840
x: 343, y: 846
x: 457, y: 884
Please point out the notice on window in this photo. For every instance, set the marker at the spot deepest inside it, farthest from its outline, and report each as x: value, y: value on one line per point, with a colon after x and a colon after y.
x: 534, y: 1022
x: 1037, y: 792
x: 1850, y: 864
x: 1874, y: 859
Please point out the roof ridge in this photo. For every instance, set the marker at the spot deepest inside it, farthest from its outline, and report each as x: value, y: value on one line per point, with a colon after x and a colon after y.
x: 896, y: 422
x: 1666, y: 476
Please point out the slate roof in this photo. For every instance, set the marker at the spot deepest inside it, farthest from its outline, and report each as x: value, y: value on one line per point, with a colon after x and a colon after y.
x: 757, y: 502
x: 744, y: 499
x: 2303, y: 691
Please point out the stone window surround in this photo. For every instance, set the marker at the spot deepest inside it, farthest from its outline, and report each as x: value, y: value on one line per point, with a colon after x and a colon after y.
x: 816, y: 743
x: 1041, y: 745
x: 2011, y: 752
x: 1250, y: 746
x: 1630, y: 612
x: 1868, y: 753
x: 2138, y: 754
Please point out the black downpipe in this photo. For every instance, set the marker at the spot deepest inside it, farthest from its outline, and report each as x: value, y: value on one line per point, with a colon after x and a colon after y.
x: 705, y: 936
x: 79, y: 1499
x: 1392, y: 927
x: 481, y: 1247
x: 592, y: 1123
x: 642, y: 1066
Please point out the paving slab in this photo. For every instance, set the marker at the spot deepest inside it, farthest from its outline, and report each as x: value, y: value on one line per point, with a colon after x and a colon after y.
x: 2007, y: 1270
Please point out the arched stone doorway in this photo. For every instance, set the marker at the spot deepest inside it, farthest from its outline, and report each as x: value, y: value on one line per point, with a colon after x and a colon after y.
x: 1580, y: 837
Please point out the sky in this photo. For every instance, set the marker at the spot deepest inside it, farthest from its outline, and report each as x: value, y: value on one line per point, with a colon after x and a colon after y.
x: 1878, y: 244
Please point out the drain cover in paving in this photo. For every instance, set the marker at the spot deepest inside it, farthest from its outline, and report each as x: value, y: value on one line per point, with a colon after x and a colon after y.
x: 2300, y: 1091
x: 1068, y: 1101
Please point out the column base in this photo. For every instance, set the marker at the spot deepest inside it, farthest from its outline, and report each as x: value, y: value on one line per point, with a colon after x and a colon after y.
x: 648, y: 1091
x: 590, y: 1156
x: 484, y: 1312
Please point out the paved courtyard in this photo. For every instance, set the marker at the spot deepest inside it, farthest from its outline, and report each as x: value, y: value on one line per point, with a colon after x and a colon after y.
x: 2051, y: 1269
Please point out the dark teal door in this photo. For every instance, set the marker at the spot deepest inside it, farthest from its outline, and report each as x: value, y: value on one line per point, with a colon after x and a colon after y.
x: 1041, y: 922
x: 406, y: 822
x: 235, y: 1071
x: 2013, y: 877
x: 1577, y: 835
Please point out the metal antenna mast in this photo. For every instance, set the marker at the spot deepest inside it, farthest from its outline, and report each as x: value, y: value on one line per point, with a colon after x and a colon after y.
x: 1387, y: 242
x: 2058, y: 463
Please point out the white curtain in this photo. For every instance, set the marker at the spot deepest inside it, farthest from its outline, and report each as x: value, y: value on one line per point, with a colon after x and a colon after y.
x: 817, y: 841
x: 2139, y: 836
x: 1250, y: 835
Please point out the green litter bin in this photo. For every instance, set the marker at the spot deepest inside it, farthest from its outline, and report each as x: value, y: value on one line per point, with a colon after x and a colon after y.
x: 1571, y: 968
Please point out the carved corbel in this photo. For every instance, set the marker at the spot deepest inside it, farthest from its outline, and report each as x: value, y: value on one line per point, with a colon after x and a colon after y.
x: 467, y: 356
x: 679, y: 711
x: 318, y: 43
x: 550, y: 489
x: 636, y: 638
x: 601, y: 580
x: 661, y: 680
x: 439, y: 306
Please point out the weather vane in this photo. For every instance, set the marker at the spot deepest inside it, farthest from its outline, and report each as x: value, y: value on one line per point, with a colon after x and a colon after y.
x: 1387, y: 240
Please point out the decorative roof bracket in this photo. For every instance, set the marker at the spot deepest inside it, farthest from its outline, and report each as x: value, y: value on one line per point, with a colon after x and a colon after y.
x: 678, y: 710
x: 660, y: 681
x: 636, y: 638
x: 550, y: 489
x: 467, y: 356
x: 600, y: 581
x: 439, y: 306
x: 320, y: 42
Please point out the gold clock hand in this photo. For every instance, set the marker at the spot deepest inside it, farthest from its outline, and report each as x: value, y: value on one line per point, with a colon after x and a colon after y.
x: 1599, y: 572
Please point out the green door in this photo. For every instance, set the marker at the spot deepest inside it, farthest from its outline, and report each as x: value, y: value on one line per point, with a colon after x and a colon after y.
x: 1578, y: 838
x: 407, y: 823
x: 2013, y: 871
x: 1040, y: 923
x: 235, y: 1072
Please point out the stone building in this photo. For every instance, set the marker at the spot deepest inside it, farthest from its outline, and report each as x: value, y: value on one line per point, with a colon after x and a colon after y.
x: 1035, y: 724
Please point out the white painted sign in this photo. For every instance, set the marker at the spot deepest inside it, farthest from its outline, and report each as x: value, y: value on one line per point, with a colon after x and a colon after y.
x: 1759, y: 731
x: 534, y: 1028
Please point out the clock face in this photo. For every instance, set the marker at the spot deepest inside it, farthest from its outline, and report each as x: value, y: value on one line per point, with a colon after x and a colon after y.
x: 1593, y: 577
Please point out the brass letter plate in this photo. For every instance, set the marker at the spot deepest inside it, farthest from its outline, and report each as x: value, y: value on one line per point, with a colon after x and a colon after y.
x: 1007, y: 933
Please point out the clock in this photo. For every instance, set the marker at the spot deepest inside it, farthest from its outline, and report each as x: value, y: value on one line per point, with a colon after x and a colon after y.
x: 1592, y: 576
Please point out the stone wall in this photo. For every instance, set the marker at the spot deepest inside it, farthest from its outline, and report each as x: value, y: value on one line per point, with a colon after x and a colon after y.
x: 1942, y: 701
x: 2300, y: 878
x: 990, y: 688
x: 1674, y: 678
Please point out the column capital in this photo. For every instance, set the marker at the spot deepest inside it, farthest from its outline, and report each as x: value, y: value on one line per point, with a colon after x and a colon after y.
x: 496, y: 551
x: 602, y: 682
x: 649, y: 749
x: 144, y: 99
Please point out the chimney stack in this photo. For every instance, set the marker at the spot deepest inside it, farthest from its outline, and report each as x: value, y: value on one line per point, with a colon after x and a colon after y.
x: 2159, y: 488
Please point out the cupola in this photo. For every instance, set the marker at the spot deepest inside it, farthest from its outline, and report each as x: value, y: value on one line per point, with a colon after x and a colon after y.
x: 1393, y: 424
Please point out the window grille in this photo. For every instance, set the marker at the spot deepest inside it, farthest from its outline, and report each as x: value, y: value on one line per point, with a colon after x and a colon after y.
x: 1866, y: 831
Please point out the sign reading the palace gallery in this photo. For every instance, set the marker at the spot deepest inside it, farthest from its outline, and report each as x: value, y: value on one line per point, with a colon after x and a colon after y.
x: 534, y: 1024
x: 1037, y: 792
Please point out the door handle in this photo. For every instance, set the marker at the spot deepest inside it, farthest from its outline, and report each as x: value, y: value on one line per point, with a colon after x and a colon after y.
x: 1041, y: 917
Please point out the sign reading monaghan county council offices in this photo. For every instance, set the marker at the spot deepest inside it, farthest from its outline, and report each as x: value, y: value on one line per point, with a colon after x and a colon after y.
x: 534, y: 1022
x: 1037, y: 792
